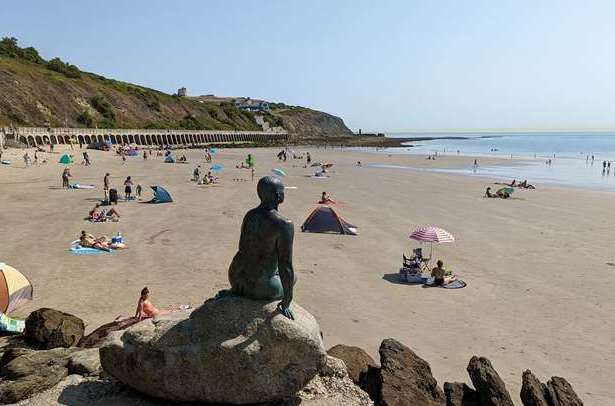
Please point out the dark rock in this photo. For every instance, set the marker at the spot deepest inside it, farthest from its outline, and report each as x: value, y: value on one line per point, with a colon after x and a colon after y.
x: 51, y: 328
x: 356, y: 359
x: 100, y: 336
x: 403, y: 378
x: 460, y: 394
x: 490, y: 387
x: 561, y: 393
x: 31, y: 373
x: 533, y: 392
x: 13, y: 353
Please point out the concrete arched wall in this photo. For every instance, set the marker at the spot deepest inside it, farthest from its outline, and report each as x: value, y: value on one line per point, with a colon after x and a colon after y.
x: 40, y: 136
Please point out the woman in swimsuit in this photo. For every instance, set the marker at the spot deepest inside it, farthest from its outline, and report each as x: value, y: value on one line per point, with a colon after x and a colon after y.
x: 145, y: 308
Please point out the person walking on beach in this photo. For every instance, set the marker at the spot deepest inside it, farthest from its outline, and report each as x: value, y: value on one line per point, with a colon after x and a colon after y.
x: 65, y: 175
x: 308, y: 159
x: 86, y: 159
x: 138, y: 191
x: 106, y: 185
x: 128, y: 189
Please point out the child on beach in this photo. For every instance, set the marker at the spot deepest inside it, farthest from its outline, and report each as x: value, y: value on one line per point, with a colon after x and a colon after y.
x: 138, y: 191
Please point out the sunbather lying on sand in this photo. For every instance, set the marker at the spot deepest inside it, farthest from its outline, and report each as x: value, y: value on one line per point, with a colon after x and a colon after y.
x: 525, y: 185
x: 103, y: 243
x: 98, y: 214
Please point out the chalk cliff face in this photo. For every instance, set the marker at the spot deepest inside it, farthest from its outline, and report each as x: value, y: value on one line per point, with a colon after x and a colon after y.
x: 301, y: 122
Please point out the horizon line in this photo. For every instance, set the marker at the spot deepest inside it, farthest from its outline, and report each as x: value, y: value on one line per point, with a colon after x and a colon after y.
x: 497, y: 131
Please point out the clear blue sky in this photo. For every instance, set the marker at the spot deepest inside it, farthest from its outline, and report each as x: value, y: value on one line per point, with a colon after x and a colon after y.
x: 380, y: 65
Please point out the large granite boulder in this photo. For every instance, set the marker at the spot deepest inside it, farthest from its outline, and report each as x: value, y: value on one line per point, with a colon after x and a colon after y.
x: 230, y: 350
x: 356, y: 359
x: 460, y: 394
x: 403, y: 378
x: 490, y: 387
x: 49, y: 328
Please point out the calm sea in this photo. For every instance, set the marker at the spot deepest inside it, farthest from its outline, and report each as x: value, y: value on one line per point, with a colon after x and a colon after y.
x: 570, y: 155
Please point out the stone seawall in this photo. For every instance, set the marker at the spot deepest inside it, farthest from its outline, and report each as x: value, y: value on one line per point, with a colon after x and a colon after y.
x: 33, y: 136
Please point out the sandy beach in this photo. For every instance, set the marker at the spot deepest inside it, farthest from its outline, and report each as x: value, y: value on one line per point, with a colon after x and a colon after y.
x: 540, y: 267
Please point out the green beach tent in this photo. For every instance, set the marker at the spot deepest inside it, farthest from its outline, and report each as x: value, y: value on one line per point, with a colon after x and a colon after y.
x: 66, y: 159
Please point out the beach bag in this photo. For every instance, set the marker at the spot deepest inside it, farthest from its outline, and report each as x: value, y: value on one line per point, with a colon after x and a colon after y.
x: 11, y: 325
x: 113, y: 197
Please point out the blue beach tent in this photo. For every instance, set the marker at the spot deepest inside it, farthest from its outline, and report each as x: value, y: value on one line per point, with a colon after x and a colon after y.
x: 160, y: 195
x: 169, y: 159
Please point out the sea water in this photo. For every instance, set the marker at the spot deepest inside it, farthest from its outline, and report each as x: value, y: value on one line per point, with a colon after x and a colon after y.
x: 563, y: 159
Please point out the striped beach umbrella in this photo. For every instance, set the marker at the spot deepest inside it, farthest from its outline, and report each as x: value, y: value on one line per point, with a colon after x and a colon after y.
x: 15, y: 288
x: 432, y: 234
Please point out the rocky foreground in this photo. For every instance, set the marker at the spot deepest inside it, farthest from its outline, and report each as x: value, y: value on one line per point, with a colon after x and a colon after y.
x: 247, y: 356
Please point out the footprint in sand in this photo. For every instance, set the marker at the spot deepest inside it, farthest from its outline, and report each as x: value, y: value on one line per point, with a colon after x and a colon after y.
x: 152, y: 239
x: 229, y: 213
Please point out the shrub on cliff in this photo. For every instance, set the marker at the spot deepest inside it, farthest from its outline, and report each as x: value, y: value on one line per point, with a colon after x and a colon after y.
x: 68, y: 70
x: 102, y: 105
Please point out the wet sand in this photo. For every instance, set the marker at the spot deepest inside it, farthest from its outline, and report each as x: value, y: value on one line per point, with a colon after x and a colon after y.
x: 540, y: 267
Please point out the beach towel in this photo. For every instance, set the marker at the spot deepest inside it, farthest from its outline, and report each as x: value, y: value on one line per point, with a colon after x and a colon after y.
x: 77, y: 249
x: 80, y: 186
x: 11, y: 325
x: 456, y: 284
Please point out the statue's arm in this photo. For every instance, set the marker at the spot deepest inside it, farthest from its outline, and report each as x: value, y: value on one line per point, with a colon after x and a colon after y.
x: 285, y: 266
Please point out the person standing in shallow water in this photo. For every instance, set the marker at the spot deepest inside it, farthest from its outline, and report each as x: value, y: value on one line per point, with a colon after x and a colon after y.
x: 262, y: 269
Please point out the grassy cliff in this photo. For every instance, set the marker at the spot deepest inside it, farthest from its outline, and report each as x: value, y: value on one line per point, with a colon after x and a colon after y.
x: 37, y: 92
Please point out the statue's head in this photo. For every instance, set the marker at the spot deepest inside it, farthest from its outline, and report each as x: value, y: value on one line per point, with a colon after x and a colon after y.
x: 270, y: 190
